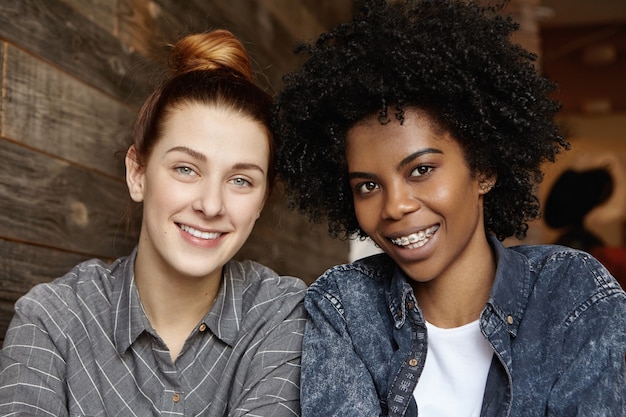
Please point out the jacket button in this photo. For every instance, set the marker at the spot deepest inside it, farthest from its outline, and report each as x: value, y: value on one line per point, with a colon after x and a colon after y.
x: 176, y: 398
x: 413, y: 362
x: 509, y: 319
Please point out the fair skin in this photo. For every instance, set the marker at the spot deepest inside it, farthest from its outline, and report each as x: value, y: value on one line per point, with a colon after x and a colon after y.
x: 203, y: 188
x: 415, y: 196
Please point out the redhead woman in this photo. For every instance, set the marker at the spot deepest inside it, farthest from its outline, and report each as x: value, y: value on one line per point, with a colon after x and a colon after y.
x: 177, y: 327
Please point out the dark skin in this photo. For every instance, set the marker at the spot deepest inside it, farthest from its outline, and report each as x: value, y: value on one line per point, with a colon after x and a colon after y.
x: 416, y: 197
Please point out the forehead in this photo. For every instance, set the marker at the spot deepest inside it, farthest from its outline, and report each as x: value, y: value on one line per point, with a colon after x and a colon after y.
x: 217, y: 136
x: 207, y: 123
x: 416, y: 126
x: 371, y: 145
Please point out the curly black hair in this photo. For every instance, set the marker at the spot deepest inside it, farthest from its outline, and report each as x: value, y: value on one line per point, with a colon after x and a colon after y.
x: 453, y: 60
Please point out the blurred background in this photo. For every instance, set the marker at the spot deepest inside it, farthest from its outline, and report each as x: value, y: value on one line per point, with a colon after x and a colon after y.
x: 73, y: 73
x: 583, y: 48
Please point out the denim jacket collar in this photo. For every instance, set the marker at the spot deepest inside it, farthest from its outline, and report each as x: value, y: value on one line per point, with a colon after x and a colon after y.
x: 400, y: 292
x: 511, y: 287
x: 508, y: 296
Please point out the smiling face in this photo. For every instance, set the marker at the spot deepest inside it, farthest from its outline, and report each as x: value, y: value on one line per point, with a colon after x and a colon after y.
x: 415, y: 196
x: 203, y: 187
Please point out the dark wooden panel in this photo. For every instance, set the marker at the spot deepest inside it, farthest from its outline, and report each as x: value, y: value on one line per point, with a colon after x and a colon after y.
x: 269, y: 42
x: 330, y: 12
x: 6, y: 312
x: 149, y: 27
x: 57, y: 204
x: 58, y: 33
x: 23, y: 266
x: 51, y: 111
x: 100, y: 12
x: 2, y: 49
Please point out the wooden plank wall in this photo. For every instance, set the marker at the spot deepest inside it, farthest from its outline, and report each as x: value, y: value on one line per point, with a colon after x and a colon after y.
x: 73, y: 74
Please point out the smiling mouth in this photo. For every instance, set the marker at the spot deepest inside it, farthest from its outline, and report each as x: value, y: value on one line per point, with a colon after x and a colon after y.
x: 199, y: 234
x: 416, y: 240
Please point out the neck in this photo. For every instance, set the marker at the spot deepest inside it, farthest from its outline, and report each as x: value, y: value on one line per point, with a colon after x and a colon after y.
x: 458, y: 296
x: 171, y: 303
x: 174, y: 305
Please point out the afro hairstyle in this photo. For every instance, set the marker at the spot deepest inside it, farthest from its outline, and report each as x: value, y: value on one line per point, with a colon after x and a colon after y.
x: 452, y: 59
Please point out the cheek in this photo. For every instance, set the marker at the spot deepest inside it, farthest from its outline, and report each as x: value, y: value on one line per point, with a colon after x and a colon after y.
x: 247, y: 208
x: 457, y: 204
x: 166, y: 196
x: 454, y: 191
x: 367, y: 212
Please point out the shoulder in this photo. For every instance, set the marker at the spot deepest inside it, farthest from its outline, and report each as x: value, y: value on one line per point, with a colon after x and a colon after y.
x: 357, y: 286
x: 255, y: 275
x: 87, y: 281
x: 372, y: 271
x: 560, y: 264
x: 577, y: 280
x: 261, y: 287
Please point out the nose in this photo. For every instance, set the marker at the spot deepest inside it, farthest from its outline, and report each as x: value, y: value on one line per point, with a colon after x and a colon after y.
x: 399, y: 201
x: 209, y: 200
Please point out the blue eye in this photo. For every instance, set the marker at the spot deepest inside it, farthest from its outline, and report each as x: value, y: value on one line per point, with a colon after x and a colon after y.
x: 185, y: 170
x: 241, y: 182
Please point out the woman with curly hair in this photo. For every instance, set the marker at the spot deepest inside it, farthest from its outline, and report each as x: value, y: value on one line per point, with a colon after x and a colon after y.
x: 420, y: 125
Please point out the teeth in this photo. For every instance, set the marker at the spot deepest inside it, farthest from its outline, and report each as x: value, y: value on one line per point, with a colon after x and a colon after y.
x: 198, y: 233
x: 417, y: 240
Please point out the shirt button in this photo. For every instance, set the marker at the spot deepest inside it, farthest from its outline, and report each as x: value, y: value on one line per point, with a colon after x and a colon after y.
x: 413, y: 362
x: 410, y: 305
x: 176, y: 398
x: 509, y: 319
x: 202, y: 327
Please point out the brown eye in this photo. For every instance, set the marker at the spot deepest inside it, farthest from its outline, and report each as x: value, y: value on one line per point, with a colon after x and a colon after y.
x: 421, y: 170
x: 366, y: 187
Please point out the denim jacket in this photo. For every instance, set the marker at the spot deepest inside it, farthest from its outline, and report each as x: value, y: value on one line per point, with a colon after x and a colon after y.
x: 556, y: 320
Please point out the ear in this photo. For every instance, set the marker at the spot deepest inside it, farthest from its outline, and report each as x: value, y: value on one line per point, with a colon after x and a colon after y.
x: 135, y: 175
x: 261, y: 207
x: 485, y: 183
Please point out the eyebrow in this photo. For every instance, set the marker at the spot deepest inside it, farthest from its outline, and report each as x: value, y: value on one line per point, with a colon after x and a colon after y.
x: 189, y: 151
x: 246, y: 166
x: 416, y: 155
x: 402, y: 164
x: 201, y: 157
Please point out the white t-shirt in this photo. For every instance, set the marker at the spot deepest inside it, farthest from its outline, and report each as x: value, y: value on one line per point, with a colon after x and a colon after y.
x: 453, y: 381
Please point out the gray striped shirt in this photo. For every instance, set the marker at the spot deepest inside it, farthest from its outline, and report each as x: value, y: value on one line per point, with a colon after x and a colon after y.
x: 82, y: 346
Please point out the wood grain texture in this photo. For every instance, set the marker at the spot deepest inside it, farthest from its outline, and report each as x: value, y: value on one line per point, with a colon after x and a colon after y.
x: 149, y: 27
x: 100, y: 12
x: 53, y: 203
x: 59, y: 34
x: 6, y: 313
x: 3, y: 46
x: 23, y: 266
x: 48, y: 110
x: 73, y: 74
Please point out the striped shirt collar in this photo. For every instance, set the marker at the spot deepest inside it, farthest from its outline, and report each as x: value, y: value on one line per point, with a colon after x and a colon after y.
x: 224, y: 318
